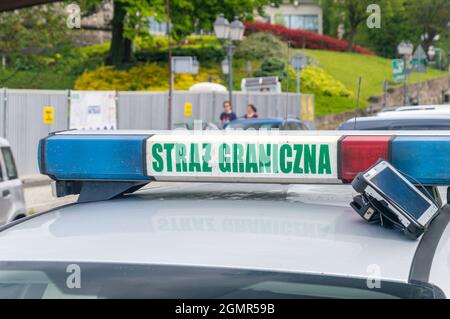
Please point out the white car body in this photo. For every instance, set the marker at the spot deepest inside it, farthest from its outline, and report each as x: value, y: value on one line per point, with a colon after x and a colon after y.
x: 303, y: 229
x: 12, y: 203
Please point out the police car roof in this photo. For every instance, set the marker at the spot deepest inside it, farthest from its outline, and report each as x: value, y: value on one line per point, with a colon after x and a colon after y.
x: 303, y: 228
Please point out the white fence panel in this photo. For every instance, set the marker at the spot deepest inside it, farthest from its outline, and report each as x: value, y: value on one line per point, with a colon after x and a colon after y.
x: 25, y: 126
x: 142, y: 110
x: 21, y: 114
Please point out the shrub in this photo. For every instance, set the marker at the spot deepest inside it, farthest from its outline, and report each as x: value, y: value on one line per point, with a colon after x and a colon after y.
x: 272, y: 67
x: 315, y: 79
x: 145, y: 77
x: 262, y: 45
x: 304, y: 39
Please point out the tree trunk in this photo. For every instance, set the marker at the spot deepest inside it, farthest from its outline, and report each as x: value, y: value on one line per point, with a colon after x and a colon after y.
x: 120, y: 52
x: 351, y: 39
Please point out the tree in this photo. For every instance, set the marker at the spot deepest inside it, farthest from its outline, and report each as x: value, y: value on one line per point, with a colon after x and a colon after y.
x: 331, y: 16
x: 131, y: 19
x: 38, y: 29
x: 354, y: 13
x: 396, y: 27
x: 432, y: 17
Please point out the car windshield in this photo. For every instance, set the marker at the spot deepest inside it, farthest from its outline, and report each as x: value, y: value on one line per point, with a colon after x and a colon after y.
x: 255, y: 126
x: 89, y: 280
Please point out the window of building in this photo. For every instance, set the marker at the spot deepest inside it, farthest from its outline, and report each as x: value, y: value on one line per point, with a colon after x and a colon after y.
x: 157, y: 27
x: 299, y: 22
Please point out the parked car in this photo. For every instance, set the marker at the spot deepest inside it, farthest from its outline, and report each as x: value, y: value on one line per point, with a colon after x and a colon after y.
x: 435, y: 110
x: 12, y: 201
x: 289, y: 124
x: 205, y: 126
x: 399, y: 122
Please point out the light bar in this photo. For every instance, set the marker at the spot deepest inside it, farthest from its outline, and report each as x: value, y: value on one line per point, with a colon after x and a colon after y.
x: 287, y: 157
x: 93, y: 157
x: 358, y: 153
x: 426, y: 158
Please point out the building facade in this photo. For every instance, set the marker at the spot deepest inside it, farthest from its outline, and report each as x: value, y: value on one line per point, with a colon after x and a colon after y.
x: 300, y: 14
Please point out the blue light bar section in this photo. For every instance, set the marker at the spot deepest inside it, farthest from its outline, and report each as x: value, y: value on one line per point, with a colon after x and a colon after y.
x: 93, y: 157
x: 426, y: 158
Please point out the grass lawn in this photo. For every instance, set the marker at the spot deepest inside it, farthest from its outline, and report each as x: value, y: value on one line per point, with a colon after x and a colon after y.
x: 348, y: 67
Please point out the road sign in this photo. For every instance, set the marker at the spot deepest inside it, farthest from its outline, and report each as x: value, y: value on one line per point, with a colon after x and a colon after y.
x: 419, y: 60
x: 48, y: 115
x: 398, y: 70
x: 188, y: 109
x: 299, y: 62
x: 405, y: 48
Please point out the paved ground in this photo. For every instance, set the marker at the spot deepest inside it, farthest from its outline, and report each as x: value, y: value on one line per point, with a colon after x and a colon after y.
x: 39, y: 198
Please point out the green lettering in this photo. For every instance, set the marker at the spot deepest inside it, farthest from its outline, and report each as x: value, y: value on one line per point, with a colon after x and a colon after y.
x: 194, y: 163
x: 324, y: 160
x: 285, y: 154
x: 169, y: 149
x: 158, y: 163
x: 180, y: 158
x: 238, y: 158
x: 251, y: 165
x: 224, y: 159
x: 310, y: 159
x: 207, y: 158
x: 298, y: 158
x: 264, y: 158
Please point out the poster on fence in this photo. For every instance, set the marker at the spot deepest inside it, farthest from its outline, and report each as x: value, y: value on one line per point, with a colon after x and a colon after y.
x: 93, y: 110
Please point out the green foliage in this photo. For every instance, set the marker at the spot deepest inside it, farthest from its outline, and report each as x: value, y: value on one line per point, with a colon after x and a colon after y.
x: 145, y: 77
x: 400, y: 20
x: 262, y: 45
x: 385, y: 43
x: 333, y: 104
x: 317, y: 80
x: 348, y: 67
x: 431, y: 17
x: 272, y: 67
x: 131, y: 18
x: 38, y: 30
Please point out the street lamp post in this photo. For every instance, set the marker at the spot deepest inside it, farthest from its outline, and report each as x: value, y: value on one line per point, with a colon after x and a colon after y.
x: 299, y: 62
x: 405, y: 49
x: 230, y: 33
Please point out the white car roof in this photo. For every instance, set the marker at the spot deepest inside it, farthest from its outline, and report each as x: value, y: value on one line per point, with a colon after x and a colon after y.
x: 431, y: 110
x: 303, y: 228
x: 3, y: 142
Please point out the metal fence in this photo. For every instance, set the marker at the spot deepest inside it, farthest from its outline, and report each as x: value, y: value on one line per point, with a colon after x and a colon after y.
x: 21, y: 113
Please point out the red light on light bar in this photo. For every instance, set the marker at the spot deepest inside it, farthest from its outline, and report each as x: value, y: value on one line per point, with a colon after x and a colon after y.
x: 358, y: 153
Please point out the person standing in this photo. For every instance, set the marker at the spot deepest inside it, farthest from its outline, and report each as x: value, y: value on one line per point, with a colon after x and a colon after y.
x: 251, y: 112
x: 227, y: 115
